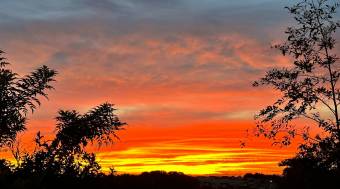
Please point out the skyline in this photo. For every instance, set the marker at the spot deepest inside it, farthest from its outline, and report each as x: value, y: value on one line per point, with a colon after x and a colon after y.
x: 179, y: 72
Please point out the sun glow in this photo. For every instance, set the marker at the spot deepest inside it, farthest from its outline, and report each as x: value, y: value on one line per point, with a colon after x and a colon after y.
x: 191, y: 157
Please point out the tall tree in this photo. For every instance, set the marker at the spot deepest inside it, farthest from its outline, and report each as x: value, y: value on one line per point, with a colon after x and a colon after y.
x: 309, y: 85
x: 18, y: 96
x: 310, y: 91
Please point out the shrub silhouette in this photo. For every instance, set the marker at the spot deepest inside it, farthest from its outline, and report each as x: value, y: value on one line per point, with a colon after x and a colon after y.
x: 66, y: 155
x: 315, y: 166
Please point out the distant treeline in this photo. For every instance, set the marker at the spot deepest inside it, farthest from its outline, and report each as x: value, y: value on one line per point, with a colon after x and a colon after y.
x: 146, y: 180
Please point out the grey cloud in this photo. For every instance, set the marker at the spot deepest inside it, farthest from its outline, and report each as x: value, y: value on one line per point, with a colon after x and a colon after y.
x: 195, y: 16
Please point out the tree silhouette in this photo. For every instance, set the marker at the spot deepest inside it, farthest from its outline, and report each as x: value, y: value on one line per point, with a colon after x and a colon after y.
x: 310, y: 84
x: 18, y: 96
x: 308, y: 87
x: 66, y: 154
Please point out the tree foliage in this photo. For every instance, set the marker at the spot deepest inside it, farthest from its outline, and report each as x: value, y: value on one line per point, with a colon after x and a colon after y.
x: 18, y: 96
x: 309, y: 86
x: 309, y: 89
x: 65, y: 154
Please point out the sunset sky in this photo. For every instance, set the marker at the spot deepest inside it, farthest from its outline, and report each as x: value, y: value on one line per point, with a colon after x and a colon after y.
x: 178, y: 71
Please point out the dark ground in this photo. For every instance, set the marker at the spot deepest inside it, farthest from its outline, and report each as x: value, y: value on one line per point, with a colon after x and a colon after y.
x: 150, y: 180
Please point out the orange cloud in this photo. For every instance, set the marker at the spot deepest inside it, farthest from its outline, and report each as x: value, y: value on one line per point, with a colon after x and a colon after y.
x: 187, y: 99
x: 199, y: 149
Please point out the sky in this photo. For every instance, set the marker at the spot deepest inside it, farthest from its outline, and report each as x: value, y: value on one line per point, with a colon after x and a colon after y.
x: 179, y: 72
